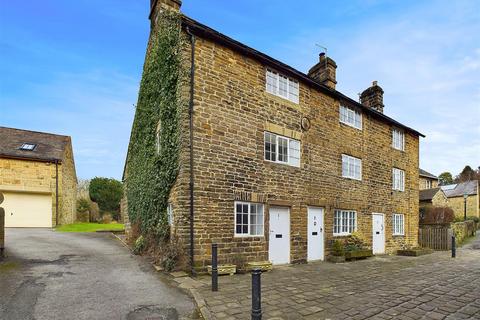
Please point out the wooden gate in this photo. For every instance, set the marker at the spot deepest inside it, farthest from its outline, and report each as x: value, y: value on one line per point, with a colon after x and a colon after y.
x: 435, y: 237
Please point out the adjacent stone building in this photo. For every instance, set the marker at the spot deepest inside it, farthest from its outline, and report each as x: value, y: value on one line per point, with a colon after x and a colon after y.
x: 427, y: 180
x: 433, y: 197
x: 463, y: 193
x: 283, y: 163
x: 37, y: 178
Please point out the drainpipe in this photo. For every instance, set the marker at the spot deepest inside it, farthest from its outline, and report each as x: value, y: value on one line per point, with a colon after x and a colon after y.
x: 56, y: 192
x: 190, y: 112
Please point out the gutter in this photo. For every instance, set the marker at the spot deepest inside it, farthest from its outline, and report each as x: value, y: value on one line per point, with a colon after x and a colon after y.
x: 15, y: 157
x: 192, y: 181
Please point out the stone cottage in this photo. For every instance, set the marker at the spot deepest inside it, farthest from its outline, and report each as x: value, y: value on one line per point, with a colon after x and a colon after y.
x: 463, y: 193
x: 433, y: 197
x: 427, y: 180
x: 275, y: 164
x: 37, y: 178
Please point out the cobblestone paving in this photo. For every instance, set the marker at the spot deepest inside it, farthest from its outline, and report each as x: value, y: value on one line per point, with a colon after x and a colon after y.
x: 434, y: 286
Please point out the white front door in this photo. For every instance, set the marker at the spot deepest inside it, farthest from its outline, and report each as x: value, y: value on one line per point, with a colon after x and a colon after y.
x: 315, y: 234
x: 279, y: 236
x: 378, y: 239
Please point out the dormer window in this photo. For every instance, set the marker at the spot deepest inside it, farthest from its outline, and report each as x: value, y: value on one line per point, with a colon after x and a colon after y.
x: 28, y: 146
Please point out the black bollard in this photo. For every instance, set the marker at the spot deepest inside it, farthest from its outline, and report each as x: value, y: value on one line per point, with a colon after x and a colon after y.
x: 214, y: 268
x: 256, y: 294
x: 454, y: 250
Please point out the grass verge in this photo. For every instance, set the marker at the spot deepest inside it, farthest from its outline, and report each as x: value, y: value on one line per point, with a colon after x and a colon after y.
x: 89, y: 227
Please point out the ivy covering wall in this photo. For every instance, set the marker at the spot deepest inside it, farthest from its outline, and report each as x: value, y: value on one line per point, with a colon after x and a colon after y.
x: 150, y: 174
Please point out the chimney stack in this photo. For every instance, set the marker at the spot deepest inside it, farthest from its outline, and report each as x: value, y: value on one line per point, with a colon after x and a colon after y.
x: 324, y: 71
x: 373, y: 97
x: 157, y: 5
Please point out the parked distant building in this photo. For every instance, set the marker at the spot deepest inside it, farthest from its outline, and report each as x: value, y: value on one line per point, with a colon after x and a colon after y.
x: 37, y: 177
x: 427, y: 180
x: 456, y: 194
x: 284, y: 163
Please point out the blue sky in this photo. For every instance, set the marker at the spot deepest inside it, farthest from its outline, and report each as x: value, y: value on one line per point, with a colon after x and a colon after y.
x: 74, y: 67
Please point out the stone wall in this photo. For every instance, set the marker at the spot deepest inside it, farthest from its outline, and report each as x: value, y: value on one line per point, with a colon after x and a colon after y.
x: 440, y: 200
x: 457, y: 204
x: 232, y: 111
x: 39, y: 177
x: 464, y: 230
x: 68, y: 192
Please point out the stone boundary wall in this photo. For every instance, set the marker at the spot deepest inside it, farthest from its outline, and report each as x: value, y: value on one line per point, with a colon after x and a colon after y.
x: 464, y: 230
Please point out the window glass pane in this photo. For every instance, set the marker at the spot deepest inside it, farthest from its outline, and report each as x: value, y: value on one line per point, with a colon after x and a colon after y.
x: 282, y: 149
x: 335, y: 222
x: 293, y: 91
x: 398, y: 179
x: 270, y: 146
x: 294, y: 151
x: 350, y: 119
x: 358, y: 120
x: 343, y: 114
x: 283, y: 86
x: 344, y: 166
x: 272, y: 82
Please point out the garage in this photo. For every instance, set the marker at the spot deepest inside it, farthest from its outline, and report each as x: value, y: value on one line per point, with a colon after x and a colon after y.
x: 27, y: 210
x: 37, y: 168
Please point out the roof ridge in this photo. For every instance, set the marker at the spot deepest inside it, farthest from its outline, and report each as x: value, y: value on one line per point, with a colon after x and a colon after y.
x: 33, y: 131
x: 190, y: 22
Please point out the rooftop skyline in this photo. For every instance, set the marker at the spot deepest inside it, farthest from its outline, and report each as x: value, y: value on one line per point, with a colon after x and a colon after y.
x: 74, y: 68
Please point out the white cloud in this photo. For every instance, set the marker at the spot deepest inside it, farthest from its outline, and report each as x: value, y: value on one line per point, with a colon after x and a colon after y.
x: 427, y: 59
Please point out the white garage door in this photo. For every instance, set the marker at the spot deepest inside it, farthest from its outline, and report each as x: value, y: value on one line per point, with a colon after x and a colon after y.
x: 27, y: 210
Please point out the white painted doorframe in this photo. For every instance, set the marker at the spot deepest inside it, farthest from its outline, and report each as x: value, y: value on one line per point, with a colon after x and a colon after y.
x: 315, y: 236
x: 279, y: 235
x: 378, y: 233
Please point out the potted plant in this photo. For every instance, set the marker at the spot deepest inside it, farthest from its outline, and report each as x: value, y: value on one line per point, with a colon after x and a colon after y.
x: 338, y: 252
x: 356, y: 248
